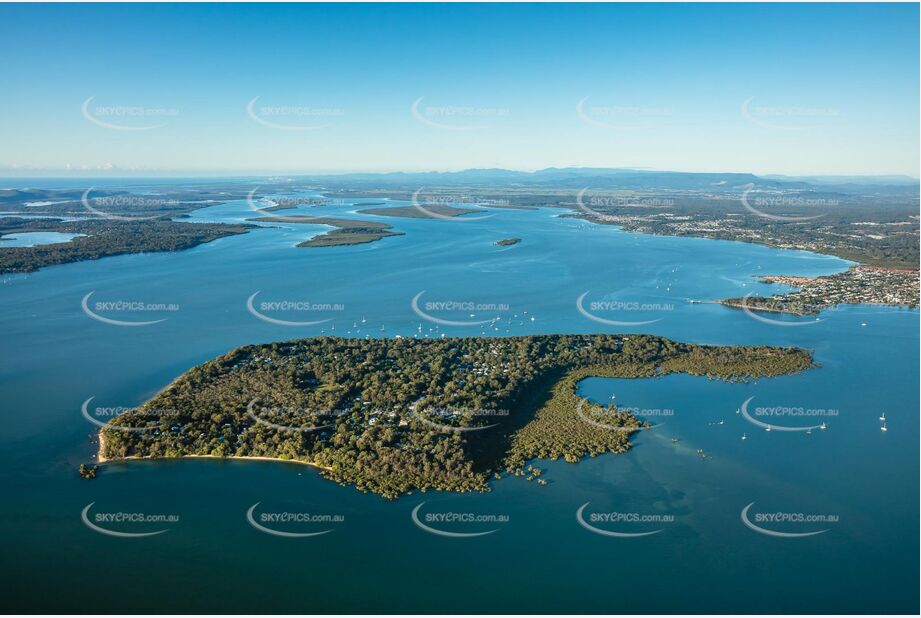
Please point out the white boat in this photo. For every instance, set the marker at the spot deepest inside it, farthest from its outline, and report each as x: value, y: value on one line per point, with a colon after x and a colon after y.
x: 744, y: 437
x: 768, y: 428
x: 823, y: 426
x: 884, y: 428
x: 883, y: 417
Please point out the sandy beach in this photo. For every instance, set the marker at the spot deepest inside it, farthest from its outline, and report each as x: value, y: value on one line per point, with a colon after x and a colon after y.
x: 101, y: 458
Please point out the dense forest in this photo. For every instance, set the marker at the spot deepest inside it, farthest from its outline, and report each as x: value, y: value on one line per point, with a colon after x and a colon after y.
x: 393, y: 415
x: 103, y: 238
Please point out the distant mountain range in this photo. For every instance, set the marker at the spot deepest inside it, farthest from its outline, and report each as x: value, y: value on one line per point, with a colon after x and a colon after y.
x: 566, y: 178
x: 634, y: 179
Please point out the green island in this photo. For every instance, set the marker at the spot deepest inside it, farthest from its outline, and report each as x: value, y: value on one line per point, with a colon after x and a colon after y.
x: 104, y: 238
x: 347, y: 232
x: 858, y: 285
x: 425, y: 211
x: 391, y: 416
x: 508, y: 242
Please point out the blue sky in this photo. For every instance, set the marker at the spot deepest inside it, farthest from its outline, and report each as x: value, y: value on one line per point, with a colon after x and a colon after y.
x: 781, y: 88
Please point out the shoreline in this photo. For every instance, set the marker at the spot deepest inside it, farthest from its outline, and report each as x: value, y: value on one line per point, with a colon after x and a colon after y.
x: 575, y: 213
x: 101, y: 459
x: 883, y: 287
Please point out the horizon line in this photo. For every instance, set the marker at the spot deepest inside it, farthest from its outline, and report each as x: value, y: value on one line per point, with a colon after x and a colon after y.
x: 217, y: 174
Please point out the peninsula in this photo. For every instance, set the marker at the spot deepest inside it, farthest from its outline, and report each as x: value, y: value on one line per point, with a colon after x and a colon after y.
x: 390, y: 416
x: 347, y: 232
x: 867, y: 285
x: 99, y: 238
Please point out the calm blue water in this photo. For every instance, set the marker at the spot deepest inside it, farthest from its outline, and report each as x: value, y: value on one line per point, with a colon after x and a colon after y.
x: 31, y: 239
x: 704, y: 559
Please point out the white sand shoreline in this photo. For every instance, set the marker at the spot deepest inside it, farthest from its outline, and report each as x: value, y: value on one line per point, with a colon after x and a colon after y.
x: 101, y: 459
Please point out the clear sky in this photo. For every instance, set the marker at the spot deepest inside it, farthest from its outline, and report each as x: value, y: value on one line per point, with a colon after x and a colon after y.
x: 782, y: 88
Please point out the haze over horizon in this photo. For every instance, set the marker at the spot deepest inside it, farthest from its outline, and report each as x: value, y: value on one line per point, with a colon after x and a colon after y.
x: 115, y: 173
x: 198, y: 90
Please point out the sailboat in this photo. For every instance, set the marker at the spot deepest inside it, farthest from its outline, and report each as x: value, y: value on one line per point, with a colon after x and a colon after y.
x: 823, y: 426
x: 744, y: 437
x: 884, y: 428
x: 883, y: 417
x: 768, y: 428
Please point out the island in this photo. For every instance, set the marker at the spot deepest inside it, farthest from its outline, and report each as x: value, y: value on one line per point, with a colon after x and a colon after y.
x: 391, y: 416
x: 508, y: 242
x: 348, y: 232
x: 867, y: 285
